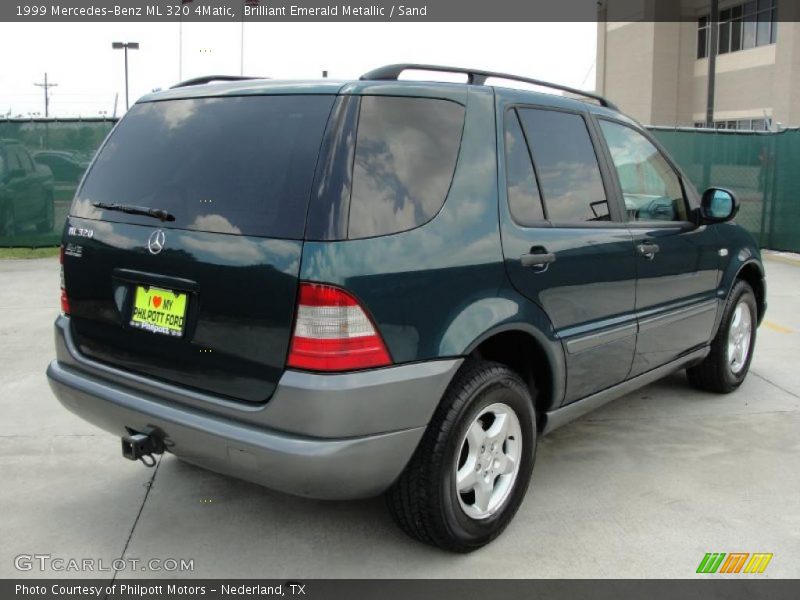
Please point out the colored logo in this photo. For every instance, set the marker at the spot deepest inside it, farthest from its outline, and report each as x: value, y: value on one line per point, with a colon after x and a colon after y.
x: 734, y: 562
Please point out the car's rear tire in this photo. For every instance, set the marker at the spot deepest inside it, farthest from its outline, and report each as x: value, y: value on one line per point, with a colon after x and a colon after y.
x: 727, y: 364
x: 462, y: 487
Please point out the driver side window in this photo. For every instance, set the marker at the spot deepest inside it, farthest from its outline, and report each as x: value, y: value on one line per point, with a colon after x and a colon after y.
x: 650, y: 186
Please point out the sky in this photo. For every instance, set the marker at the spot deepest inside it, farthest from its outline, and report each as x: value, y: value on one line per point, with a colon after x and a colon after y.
x: 79, y: 58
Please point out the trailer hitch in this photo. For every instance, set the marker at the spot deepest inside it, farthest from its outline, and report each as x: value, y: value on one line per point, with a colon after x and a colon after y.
x: 143, y: 446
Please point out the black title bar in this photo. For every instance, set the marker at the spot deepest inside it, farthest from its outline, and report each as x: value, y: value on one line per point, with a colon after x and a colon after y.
x: 33, y: 11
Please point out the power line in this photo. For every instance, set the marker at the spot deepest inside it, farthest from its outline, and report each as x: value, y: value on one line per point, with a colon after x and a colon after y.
x: 46, y: 87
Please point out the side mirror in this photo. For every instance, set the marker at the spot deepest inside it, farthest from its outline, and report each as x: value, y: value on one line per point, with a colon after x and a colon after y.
x: 718, y: 205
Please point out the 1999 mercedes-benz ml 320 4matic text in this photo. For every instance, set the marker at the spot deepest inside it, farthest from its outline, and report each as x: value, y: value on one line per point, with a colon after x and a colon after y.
x: 344, y: 289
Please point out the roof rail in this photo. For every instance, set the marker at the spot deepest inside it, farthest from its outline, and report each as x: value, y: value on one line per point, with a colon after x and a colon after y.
x: 210, y: 78
x: 476, y: 77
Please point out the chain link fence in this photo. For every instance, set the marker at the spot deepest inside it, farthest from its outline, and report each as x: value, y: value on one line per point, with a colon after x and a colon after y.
x: 41, y: 163
x: 763, y: 169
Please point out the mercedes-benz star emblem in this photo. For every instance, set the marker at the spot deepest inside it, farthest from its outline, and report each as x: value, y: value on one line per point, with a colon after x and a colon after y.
x: 156, y: 241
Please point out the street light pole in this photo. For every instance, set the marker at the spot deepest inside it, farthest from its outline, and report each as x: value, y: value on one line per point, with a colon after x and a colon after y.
x: 125, y: 46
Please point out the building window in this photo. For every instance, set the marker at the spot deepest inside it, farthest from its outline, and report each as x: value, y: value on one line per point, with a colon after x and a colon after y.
x: 741, y: 124
x: 741, y: 27
x: 702, y: 37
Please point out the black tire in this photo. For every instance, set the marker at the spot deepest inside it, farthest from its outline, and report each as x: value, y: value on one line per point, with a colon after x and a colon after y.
x: 47, y: 223
x: 715, y: 373
x: 424, y: 501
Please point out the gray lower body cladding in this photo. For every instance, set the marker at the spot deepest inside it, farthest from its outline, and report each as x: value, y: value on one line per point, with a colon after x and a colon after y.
x: 321, y: 436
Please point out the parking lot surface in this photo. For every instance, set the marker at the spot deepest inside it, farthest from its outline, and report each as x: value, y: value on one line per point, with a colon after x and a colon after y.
x: 644, y: 487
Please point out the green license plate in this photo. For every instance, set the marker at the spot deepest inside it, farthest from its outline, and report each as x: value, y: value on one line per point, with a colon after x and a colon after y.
x: 159, y: 311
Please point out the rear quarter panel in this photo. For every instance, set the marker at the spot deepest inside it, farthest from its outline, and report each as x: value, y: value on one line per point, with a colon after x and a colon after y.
x: 438, y: 290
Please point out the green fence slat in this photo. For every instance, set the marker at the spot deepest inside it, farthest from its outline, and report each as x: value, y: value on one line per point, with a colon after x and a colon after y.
x: 41, y: 164
x: 761, y: 168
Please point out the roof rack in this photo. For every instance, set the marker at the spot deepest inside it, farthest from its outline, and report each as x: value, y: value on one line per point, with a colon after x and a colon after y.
x: 476, y: 77
x: 210, y: 78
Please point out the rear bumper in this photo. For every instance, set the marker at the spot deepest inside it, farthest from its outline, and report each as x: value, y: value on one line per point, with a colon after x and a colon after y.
x: 320, y: 436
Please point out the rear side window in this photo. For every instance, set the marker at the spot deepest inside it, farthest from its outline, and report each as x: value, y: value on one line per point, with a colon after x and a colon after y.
x: 524, y: 200
x: 566, y: 164
x: 406, y: 151
x: 238, y: 165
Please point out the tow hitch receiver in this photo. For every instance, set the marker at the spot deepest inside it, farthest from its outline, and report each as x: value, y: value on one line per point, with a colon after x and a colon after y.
x: 142, y: 446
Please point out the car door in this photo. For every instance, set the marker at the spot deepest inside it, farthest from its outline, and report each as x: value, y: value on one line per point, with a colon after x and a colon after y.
x: 32, y: 202
x: 16, y: 185
x: 677, y: 262
x: 565, y: 245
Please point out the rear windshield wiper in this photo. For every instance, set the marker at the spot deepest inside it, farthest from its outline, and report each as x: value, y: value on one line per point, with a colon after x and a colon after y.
x: 156, y: 213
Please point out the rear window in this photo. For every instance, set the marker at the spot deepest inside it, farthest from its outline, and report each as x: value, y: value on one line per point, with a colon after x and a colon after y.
x: 406, y: 151
x: 238, y: 165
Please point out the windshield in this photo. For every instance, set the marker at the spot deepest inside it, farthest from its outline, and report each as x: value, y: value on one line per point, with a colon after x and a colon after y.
x: 237, y: 165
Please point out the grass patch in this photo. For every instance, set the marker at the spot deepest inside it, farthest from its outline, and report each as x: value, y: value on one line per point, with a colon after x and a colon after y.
x: 28, y: 252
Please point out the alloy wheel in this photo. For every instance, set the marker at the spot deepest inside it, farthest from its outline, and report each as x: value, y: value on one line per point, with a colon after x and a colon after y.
x: 739, y: 335
x: 488, y: 461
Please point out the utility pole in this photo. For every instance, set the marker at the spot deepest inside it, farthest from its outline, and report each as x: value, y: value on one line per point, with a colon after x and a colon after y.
x: 46, y: 87
x: 713, y: 31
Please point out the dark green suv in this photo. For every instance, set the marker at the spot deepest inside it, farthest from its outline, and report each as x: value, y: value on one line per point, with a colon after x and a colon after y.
x: 341, y: 289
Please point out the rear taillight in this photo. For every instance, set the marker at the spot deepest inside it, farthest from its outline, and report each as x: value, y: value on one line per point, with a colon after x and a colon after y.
x: 332, y: 332
x: 64, y: 299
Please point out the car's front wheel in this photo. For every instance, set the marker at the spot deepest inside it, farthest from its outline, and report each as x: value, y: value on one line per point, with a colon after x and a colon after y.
x: 471, y: 470
x: 727, y: 364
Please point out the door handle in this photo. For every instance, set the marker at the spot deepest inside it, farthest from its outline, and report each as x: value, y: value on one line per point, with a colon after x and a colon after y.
x: 647, y: 249
x: 538, y: 257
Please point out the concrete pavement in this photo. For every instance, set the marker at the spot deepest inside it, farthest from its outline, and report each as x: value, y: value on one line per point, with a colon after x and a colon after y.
x: 641, y: 488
